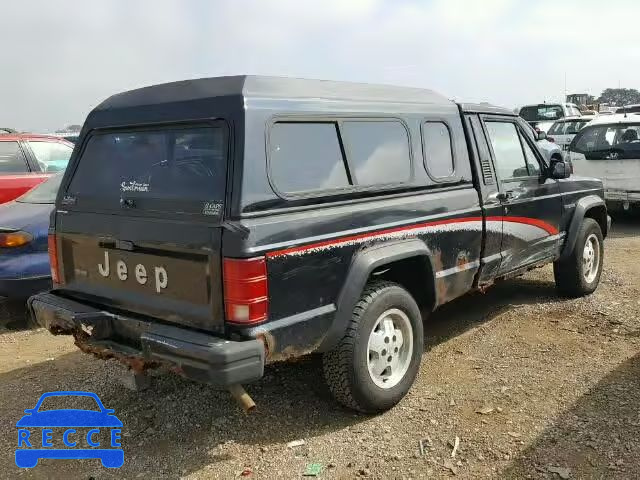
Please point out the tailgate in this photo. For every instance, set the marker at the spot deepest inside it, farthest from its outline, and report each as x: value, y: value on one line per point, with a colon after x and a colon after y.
x: 138, y: 226
x: 166, y: 281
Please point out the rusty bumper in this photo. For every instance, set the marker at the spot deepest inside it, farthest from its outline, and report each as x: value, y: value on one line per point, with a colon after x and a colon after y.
x: 141, y: 344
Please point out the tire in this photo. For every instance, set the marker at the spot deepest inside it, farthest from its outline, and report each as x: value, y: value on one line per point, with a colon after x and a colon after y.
x: 570, y: 274
x: 347, y: 366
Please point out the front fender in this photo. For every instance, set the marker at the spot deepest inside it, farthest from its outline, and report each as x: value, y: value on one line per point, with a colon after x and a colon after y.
x: 582, y: 207
x: 363, y: 264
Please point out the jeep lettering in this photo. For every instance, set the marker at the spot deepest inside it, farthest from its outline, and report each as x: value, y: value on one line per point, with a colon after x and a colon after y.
x: 161, y: 278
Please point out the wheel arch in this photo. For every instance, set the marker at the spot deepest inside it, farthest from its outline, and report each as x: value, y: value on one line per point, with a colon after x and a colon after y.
x: 388, y: 261
x: 591, y: 206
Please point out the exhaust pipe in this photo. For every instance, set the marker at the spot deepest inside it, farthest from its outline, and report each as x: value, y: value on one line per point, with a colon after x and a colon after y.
x: 241, y: 396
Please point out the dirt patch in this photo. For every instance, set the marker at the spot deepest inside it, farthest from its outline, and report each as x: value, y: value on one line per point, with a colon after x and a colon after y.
x: 532, y: 385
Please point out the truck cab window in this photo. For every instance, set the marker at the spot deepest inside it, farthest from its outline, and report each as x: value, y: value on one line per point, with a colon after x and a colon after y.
x: 533, y: 165
x: 507, y: 150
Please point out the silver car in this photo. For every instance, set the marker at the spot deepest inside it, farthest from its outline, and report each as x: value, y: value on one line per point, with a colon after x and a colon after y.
x: 563, y: 131
x: 550, y: 150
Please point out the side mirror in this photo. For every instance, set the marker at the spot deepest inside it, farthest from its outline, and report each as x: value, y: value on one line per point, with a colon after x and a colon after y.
x: 560, y: 170
x: 542, y: 136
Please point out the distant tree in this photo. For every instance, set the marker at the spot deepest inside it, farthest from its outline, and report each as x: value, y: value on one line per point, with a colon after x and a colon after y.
x: 620, y: 96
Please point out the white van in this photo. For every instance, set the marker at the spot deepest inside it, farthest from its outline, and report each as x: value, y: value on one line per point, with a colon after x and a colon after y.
x: 609, y: 148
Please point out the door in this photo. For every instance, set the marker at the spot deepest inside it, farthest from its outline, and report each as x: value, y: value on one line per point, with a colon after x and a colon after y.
x: 531, y: 202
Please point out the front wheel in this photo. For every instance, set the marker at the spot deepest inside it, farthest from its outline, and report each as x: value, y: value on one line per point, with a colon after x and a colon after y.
x: 376, y: 362
x: 579, y: 274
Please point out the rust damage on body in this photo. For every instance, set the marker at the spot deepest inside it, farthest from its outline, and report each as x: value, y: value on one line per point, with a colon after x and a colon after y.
x: 278, y: 353
x: 135, y: 362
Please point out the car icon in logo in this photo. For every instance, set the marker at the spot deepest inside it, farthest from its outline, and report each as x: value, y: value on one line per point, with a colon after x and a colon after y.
x: 32, y: 447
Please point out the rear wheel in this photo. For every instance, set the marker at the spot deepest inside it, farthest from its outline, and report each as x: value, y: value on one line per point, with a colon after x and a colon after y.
x: 377, y: 361
x: 580, y: 273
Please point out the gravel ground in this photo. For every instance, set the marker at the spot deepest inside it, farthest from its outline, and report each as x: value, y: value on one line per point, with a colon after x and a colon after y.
x: 531, y: 385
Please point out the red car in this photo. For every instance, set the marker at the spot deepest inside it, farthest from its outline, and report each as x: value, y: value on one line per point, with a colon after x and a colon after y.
x: 27, y: 159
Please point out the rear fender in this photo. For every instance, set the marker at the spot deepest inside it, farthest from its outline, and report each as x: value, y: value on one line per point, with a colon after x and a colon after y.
x: 363, y: 264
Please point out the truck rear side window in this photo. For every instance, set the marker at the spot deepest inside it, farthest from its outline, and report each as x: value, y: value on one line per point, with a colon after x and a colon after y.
x: 378, y: 152
x: 306, y: 157
x: 438, y: 155
x: 164, y: 169
x: 312, y: 156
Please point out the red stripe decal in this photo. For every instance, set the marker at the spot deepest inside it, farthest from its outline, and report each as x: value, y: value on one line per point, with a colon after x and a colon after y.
x: 547, y: 227
x: 337, y: 241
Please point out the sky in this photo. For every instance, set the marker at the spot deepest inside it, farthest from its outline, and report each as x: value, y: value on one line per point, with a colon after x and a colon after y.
x: 61, y: 58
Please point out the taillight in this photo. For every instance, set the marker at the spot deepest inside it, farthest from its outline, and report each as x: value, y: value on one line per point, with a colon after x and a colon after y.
x: 246, y: 297
x: 53, y: 258
x: 14, y: 239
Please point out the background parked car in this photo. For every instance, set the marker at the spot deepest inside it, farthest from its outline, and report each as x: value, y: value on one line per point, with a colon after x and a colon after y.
x: 563, y: 131
x: 70, y: 136
x: 27, y: 160
x: 541, y: 116
x: 629, y: 109
x: 24, y: 224
x: 550, y: 150
x: 609, y: 148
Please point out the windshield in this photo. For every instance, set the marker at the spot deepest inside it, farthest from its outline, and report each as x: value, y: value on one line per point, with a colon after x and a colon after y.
x: 166, y: 170
x: 44, y: 193
x: 51, y: 156
x: 600, y: 142
x: 541, y: 113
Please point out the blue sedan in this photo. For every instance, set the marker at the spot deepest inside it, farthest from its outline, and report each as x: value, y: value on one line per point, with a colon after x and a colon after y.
x: 24, y: 224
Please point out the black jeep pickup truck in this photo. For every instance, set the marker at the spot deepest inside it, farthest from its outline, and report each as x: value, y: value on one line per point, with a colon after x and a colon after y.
x: 216, y: 225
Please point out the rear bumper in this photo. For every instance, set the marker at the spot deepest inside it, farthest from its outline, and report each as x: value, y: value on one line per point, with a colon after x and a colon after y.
x: 21, y: 288
x: 142, y: 344
x: 622, y: 196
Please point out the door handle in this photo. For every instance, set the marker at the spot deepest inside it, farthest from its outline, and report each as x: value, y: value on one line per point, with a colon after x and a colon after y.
x: 502, y: 196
